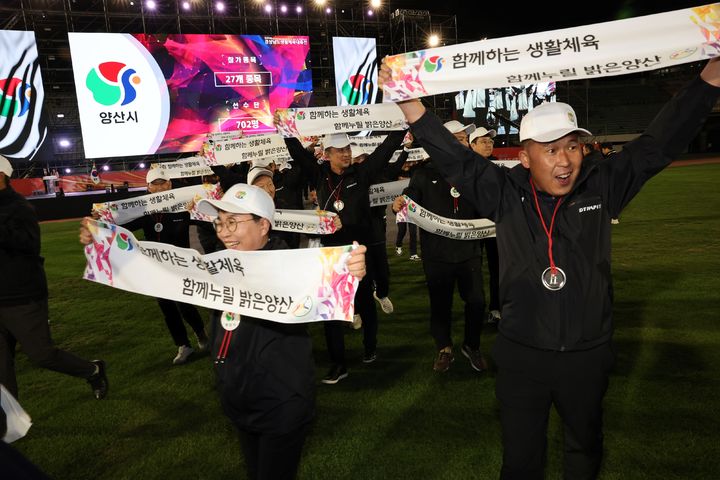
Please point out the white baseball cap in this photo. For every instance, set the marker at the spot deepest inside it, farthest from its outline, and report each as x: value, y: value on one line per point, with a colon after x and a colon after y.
x: 5, y: 166
x: 482, y: 132
x: 256, y: 172
x: 156, y: 174
x: 549, y: 121
x: 335, y: 140
x: 241, y: 198
x: 456, y: 127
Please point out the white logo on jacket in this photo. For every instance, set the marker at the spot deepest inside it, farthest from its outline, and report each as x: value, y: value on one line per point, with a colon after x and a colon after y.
x: 597, y: 206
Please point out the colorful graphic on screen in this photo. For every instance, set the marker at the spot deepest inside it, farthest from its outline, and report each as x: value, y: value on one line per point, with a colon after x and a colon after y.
x: 164, y: 93
x: 23, y: 125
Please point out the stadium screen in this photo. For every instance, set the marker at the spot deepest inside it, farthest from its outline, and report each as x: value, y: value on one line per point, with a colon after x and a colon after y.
x: 143, y: 94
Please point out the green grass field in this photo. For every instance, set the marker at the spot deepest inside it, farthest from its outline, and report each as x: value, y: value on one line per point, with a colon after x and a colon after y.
x: 397, y: 418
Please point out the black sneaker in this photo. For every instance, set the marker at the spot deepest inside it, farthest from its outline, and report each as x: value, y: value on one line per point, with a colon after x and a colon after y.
x: 477, y: 361
x: 335, y: 374
x: 98, y: 381
x: 370, y: 357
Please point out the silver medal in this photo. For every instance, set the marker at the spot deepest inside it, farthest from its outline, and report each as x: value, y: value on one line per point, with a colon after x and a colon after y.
x: 553, y: 280
x: 339, y: 205
x: 158, y: 227
x: 454, y: 193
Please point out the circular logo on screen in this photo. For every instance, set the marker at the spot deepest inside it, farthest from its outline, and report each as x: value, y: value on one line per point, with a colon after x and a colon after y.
x: 112, y: 83
x: 15, y: 98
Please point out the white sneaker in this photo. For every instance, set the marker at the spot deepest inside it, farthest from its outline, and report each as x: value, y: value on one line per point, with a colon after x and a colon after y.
x: 398, y: 251
x: 385, y: 303
x: 414, y: 258
x: 357, y: 322
x: 614, y: 221
x: 183, y: 354
x: 493, y: 317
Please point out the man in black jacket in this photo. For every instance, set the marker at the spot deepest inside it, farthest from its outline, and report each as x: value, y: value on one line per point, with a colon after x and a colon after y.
x: 343, y: 188
x: 174, y: 229
x: 448, y: 261
x: 24, y: 297
x: 553, y: 214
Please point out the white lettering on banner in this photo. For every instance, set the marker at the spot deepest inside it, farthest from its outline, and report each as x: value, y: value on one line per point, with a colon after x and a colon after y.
x: 251, y: 148
x: 316, y: 284
x: 473, y: 229
x: 612, y: 48
x: 121, y: 212
x: 385, y: 193
x: 306, y: 122
x: 314, y: 222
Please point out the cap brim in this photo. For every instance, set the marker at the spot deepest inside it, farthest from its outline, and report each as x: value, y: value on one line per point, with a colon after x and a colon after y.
x: 211, y: 207
x: 469, y: 128
x: 555, y: 134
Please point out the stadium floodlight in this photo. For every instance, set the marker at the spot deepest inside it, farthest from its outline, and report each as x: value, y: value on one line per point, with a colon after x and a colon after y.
x: 151, y: 4
x: 370, y: 13
x: 298, y: 9
x: 141, y: 165
x: 106, y: 167
x: 283, y: 8
x: 64, y: 142
x: 220, y: 6
x: 320, y: 3
x: 68, y: 170
x: 186, y: 5
x: 375, y: 3
x: 434, y: 40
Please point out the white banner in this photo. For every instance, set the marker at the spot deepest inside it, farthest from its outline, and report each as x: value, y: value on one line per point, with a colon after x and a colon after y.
x: 604, y: 49
x: 22, y: 96
x: 176, y: 200
x: 223, y: 136
x: 355, y: 70
x: 312, y: 222
x: 306, y: 122
x: 414, y: 155
x: 286, y: 286
x: 368, y: 143
x: 386, y: 193
x: 253, y: 148
x: 185, y: 168
x: 453, y: 228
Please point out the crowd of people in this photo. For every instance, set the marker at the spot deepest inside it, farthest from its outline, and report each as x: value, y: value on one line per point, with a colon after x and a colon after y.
x: 550, y: 287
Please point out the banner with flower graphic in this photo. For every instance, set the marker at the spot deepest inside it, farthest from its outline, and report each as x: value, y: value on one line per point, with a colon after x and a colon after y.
x: 312, y: 222
x: 285, y: 286
x: 604, y: 49
x: 457, y: 229
x: 306, y: 122
x: 176, y: 200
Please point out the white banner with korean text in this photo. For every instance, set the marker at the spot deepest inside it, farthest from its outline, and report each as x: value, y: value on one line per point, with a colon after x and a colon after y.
x: 604, y: 49
x: 456, y: 229
x: 414, y: 155
x: 184, y: 168
x: 252, y: 148
x: 306, y: 122
x: 311, y: 222
x: 386, y: 193
x: 316, y: 284
x: 176, y: 200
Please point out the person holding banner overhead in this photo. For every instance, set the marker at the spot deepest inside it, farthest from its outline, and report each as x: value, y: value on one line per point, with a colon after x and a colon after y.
x: 482, y: 143
x: 553, y: 215
x: 343, y: 188
x: 266, y: 377
x: 172, y: 228
x: 24, y: 297
x: 447, y: 261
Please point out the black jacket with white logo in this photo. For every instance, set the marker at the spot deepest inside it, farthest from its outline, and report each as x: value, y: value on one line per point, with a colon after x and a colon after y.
x: 579, y: 316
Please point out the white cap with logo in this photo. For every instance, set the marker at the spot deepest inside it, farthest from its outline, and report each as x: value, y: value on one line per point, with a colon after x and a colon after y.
x: 256, y: 172
x: 549, y: 121
x: 482, y: 132
x: 156, y: 174
x: 241, y: 198
x: 5, y: 166
x: 335, y: 140
x: 456, y: 127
